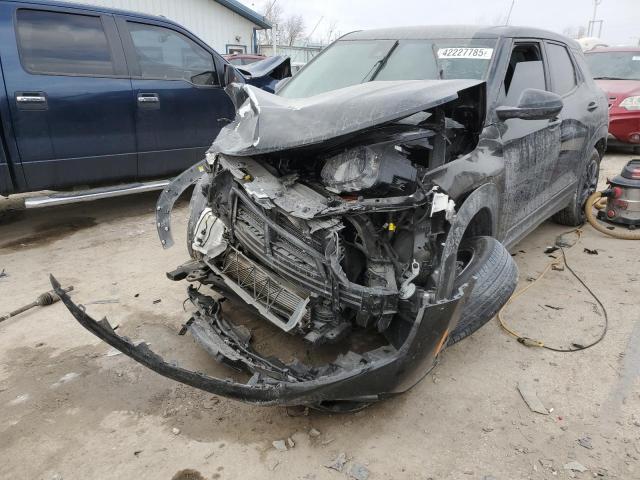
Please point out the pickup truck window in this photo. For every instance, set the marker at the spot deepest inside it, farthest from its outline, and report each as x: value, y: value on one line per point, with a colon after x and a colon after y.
x: 63, y: 43
x: 168, y: 55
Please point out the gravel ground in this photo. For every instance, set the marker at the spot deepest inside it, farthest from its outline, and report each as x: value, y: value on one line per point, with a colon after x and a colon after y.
x: 71, y: 408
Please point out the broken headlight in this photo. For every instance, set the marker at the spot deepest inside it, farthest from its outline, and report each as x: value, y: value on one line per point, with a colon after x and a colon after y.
x: 367, y: 167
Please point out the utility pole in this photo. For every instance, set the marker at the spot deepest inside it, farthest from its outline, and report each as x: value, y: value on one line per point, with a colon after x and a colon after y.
x: 313, y: 31
x: 592, y: 23
x: 274, y: 37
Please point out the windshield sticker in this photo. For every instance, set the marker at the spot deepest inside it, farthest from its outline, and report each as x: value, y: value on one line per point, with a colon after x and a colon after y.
x: 466, y: 52
x: 635, y: 58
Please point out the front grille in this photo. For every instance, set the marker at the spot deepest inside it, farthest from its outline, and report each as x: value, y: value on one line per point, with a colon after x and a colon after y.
x: 251, y: 229
x: 292, y: 253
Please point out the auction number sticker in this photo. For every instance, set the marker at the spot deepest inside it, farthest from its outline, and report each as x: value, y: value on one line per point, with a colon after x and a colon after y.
x: 466, y: 52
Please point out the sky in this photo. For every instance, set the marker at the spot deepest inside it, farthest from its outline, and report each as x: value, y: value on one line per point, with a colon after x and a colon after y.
x: 621, y: 18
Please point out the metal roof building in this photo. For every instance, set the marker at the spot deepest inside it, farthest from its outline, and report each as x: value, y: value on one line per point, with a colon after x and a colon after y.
x: 227, y: 25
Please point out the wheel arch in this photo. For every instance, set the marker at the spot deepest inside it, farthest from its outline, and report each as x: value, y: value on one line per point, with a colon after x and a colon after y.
x: 601, y: 146
x: 479, y: 212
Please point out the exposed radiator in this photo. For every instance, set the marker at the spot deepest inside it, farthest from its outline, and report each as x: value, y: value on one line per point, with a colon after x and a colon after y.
x: 273, y: 297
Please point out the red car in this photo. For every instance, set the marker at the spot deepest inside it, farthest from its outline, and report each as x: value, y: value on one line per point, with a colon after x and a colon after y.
x: 617, y: 71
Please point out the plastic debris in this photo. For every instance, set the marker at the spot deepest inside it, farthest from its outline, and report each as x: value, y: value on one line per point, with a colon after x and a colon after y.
x: 530, y: 397
x: 585, y: 442
x: 279, y: 445
x: 338, y: 463
x: 359, y: 472
x: 575, y: 466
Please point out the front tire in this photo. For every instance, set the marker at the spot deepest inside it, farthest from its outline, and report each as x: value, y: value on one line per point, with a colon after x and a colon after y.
x: 573, y: 214
x: 496, y: 278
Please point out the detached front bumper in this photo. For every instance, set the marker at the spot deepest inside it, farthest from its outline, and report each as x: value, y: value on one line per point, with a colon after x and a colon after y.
x: 351, y: 379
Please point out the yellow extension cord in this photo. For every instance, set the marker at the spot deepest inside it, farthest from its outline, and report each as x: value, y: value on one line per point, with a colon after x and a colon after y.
x: 596, y: 200
x: 529, y: 342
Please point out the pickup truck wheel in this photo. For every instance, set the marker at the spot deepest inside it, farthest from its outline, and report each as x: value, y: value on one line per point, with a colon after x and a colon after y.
x: 497, y: 277
x: 573, y: 214
x: 197, y: 204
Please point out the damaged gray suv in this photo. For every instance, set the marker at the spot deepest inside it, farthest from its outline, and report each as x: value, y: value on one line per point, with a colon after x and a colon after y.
x: 378, y: 192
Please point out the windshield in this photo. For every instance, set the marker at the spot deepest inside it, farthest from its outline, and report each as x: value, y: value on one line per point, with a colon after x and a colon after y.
x: 614, y: 65
x: 349, y: 62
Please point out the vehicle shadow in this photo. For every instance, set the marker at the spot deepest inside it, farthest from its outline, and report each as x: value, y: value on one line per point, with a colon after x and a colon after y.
x: 39, y: 227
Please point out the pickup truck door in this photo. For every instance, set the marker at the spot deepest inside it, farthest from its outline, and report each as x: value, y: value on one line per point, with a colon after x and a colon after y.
x: 530, y: 147
x: 180, y: 103
x: 70, y: 96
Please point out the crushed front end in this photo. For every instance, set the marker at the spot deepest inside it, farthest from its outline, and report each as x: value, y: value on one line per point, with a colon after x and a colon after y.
x: 324, y: 227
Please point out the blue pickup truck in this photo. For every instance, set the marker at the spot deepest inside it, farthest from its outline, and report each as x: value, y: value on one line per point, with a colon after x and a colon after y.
x: 97, y: 97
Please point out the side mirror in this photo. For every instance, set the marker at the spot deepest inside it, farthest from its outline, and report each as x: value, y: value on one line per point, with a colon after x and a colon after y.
x: 231, y: 75
x: 533, y: 105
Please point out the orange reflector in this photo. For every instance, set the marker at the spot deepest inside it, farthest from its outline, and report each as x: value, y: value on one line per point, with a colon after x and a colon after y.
x: 445, y: 335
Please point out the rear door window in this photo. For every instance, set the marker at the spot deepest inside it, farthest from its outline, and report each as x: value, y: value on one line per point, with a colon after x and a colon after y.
x: 563, y: 75
x: 63, y: 43
x: 168, y: 55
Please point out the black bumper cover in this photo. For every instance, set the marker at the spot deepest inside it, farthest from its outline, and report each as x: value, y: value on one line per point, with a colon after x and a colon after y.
x: 366, y: 380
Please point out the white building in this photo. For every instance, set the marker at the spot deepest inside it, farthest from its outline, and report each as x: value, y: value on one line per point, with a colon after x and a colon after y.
x: 226, y: 25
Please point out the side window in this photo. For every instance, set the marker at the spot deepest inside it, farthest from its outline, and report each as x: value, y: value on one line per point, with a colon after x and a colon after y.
x: 166, y: 54
x: 63, y: 43
x: 563, y: 75
x: 525, y: 70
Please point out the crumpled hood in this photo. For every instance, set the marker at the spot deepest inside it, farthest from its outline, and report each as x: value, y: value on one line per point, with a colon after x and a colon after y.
x: 266, y: 122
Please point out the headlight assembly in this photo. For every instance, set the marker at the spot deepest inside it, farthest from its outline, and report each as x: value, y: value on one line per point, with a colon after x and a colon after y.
x: 631, y: 103
x: 367, y: 167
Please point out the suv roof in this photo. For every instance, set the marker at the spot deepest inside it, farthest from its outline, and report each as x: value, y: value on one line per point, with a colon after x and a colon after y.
x: 457, y: 31
x: 613, y: 49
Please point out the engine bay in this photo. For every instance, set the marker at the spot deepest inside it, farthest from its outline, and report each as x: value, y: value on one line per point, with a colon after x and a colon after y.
x: 326, y: 238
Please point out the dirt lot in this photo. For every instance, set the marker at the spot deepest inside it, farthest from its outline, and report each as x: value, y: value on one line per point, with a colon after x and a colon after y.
x: 70, y: 408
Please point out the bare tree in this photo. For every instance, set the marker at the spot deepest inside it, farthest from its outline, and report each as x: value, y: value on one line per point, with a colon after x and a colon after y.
x: 272, y: 12
x: 332, y: 33
x: 292, y: 29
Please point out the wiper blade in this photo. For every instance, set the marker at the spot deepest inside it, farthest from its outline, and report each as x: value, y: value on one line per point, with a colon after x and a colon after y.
x: 379, y: 65
x: 610, y: 78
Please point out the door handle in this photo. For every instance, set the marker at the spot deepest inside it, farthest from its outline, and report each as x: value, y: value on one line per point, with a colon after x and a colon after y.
x: 592, y: 106
x: 148, y: 98
x: 31, y: 100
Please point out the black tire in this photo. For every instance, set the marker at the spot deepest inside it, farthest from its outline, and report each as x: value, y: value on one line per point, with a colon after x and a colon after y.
x: 497, y: 277
x: 197, y: 204
x: 573, y: 214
